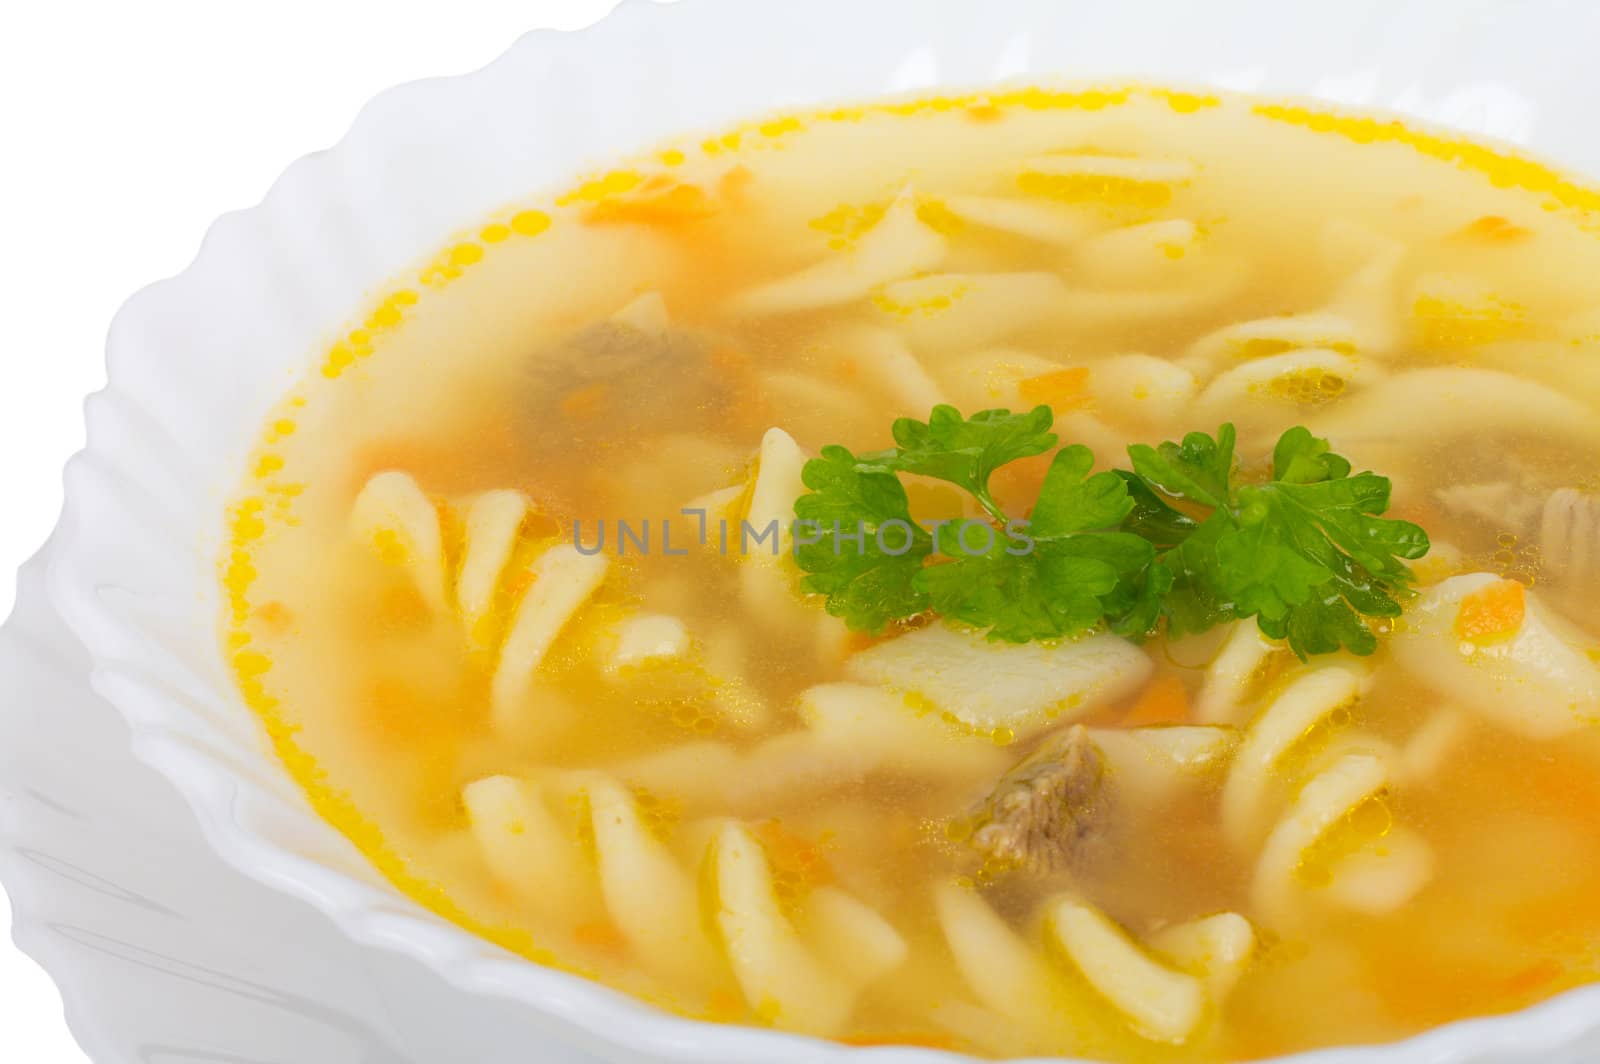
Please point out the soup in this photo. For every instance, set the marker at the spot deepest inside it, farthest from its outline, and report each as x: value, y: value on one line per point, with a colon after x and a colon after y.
x: 536, y: 585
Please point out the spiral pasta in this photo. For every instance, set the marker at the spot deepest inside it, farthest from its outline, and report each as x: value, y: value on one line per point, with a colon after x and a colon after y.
x: 1384, y: 871
x: 899, y: 246
x: 601, y: 857
x: 1245, y: 656
x: 1251, y: 794
x: 1537, y: 677
x: 406, y: 527
x: 1161, y: 988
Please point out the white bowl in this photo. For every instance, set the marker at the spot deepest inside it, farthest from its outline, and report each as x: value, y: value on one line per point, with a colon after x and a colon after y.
x: 197, y: 361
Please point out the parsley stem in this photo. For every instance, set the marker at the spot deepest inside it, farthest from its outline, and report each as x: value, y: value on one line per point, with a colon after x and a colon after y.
x: 990, y: 506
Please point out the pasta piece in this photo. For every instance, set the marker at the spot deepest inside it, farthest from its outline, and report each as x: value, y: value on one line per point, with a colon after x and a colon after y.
x: 1360, y: 319
x: 1000, y: 687
x: 1305, y: 378
x: 563, y: 580
x: 1383, y: 875
x: 885, y: 363
x: 692, y: 771
x: 1163, y: 1004
x: 1326, y: 800
x: 1315, y: 696
x: 879, y: 726
x: 850, y: 937
x: 813, y: 407
x: 992, y: 377
x: 648, y: 639
x: 1005, y: 974
x: 775, y: 482
x: 1152, y: 764
x: 899, y: 246
x: 1537, y: 677
x: 1245, y: 656
x: 1449, y: 402
x: 1144, y: 254
x: 646, y: 313
x: 1199, y: 290
x: 528, y: 849
x: 1455, y: 311
x: 1142, y: 389
x: 1430, y: 746
x: 1101, y: 169
x: 1368, y: 297
x: 941, y: 314
x: 734, y: 698
x: 649, y: 897
x: 778, y: 975
x: 493, y: 522
x: 1217, y: 949
x: 394, y: 516
x: 1263, y: 337
x: 1044, y: 222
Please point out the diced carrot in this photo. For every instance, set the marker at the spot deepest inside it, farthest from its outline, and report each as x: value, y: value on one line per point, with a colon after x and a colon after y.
x: 1164, y: 701
x: 664, y: 205
x: 793, y: 855
x: 601, y: 935
x: 1492, y: 612
x: 1063, y: 389
x: 1534, y: 978
x: 732, y: 185
x: 725, y: 1006
x: 1493, y: 229
x: 275, y: 616
x: 1016, y: 484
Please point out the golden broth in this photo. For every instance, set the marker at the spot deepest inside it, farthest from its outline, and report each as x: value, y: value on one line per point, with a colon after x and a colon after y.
x: 1150, y: 249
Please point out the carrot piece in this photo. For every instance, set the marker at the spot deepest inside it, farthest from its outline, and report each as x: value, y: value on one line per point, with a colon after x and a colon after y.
x: 666, y: 207
x: 1493, y: 229
x: 601, y: 935
x: 724, y: 1006
x: 733, y: 184
x: 1063, y: 389
x: 1164, y: 701
x: 275, y: 616
x: 1492, y: 612
x: 793, y: 855
x: 1534, y: 978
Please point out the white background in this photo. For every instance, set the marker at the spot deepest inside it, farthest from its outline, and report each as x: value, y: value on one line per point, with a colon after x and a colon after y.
x: 130, y: 126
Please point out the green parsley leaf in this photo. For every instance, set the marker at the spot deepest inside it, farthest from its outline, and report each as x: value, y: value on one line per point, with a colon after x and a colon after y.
x: 1307, y: 554
x: 966, y: 451
x: 871, y: 582
x: 1177, y: 540
x: 1064, y: 577
x: 1198, y: 469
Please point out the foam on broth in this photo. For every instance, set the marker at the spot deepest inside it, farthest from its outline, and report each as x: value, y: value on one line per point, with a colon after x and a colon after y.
x: 1385, y: 253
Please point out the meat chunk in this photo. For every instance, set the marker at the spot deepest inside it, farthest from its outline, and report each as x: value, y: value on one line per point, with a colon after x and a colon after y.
x: 615, y: 381
x: 1044, y: 815
x: 1570, y: 539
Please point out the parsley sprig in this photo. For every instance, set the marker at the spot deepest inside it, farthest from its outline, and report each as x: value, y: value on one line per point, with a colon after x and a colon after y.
x: 1180, y: 541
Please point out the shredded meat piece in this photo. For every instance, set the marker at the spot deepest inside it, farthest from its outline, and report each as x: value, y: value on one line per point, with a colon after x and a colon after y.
x: 1044, y: 813
x: 1570, y: 540
x: 1503, y: 504
x: 614, y: 380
